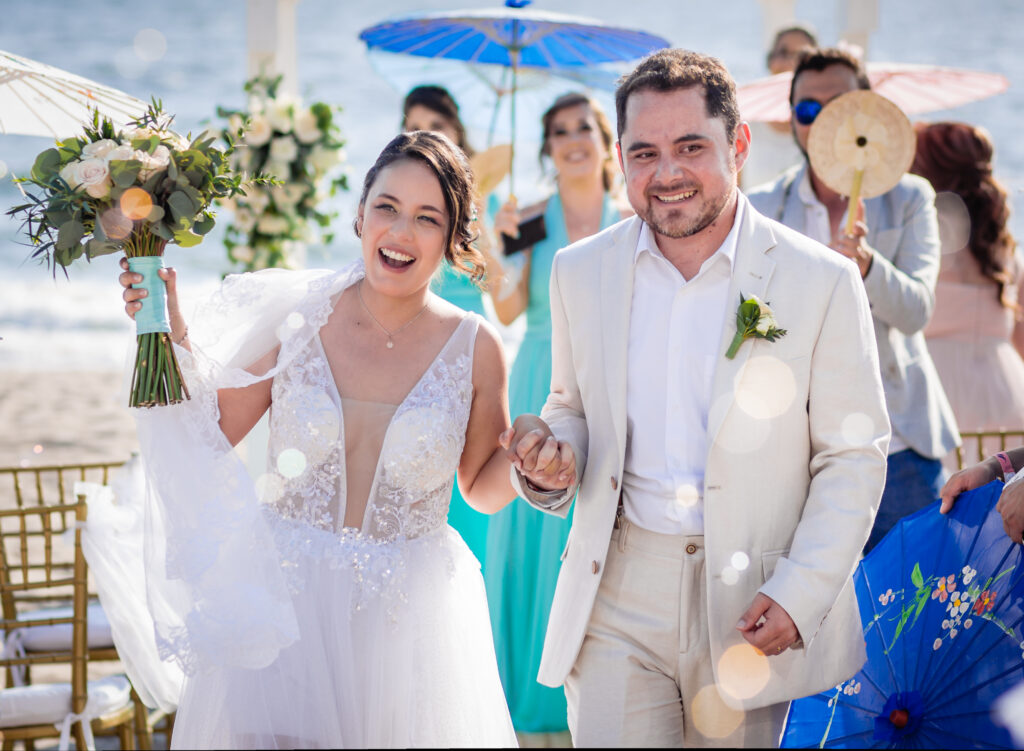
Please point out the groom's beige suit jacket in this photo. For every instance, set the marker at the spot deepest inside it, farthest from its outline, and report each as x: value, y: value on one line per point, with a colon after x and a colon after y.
x: 797, y: 436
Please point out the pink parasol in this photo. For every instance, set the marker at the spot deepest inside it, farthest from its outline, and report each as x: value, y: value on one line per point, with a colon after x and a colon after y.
x: 913, y: 88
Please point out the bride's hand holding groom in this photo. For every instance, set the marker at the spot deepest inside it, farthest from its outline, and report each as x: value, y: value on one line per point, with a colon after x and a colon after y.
x: 545, y: 462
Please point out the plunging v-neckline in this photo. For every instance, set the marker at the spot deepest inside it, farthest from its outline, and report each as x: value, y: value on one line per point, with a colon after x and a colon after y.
x: 387, y: 432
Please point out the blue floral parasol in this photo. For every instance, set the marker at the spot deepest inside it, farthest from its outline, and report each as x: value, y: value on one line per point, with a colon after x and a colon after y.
x: 512, y: 37
x: 942, y: 603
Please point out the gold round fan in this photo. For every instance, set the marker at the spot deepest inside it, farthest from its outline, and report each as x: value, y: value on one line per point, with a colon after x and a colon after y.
x: 490, y: 167
x: 860, y: 145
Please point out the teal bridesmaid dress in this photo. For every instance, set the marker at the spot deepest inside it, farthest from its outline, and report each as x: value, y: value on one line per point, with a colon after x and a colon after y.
x: 524, y: 545
x: 458, y: 289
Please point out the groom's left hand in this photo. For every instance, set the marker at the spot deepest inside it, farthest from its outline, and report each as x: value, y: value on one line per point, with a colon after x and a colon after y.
x: 772, y: 635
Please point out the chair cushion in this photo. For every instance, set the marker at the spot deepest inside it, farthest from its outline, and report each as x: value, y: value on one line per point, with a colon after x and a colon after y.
x: 50, y: 703
x: 53, y: 638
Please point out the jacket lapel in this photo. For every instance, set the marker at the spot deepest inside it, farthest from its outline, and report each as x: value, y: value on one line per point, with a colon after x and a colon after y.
x: 616, y: 302
x: 752, y: 270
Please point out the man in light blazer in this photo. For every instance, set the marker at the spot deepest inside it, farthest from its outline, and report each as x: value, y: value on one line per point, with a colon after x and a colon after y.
x: 896, y: 248
x: 721, y: 502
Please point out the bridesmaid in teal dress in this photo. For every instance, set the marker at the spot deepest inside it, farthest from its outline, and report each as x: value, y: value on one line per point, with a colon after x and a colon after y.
x: 524, y: 545
x: 433, y: 108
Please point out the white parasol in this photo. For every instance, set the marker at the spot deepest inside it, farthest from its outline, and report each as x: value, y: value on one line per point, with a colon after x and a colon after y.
x: 40, y: 100
x: 913, y: 88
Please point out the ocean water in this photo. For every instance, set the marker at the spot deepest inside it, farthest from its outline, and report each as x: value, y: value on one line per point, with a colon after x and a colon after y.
x: 49, y: 323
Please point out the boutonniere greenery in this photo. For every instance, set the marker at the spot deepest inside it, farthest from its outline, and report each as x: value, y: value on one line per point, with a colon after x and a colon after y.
x: 754, y: 320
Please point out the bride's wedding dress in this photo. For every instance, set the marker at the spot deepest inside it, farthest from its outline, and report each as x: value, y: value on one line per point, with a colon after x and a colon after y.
x: 315, y: 634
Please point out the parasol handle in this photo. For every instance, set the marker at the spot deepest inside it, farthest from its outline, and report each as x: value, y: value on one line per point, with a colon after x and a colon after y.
x: 851, y: 207
x: 513, y: 54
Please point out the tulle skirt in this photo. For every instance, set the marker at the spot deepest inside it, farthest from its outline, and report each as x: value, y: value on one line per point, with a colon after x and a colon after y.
x: 395, y: 651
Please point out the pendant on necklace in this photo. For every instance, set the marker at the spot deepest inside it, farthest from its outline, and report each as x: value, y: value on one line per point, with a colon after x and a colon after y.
x: 390, y: 344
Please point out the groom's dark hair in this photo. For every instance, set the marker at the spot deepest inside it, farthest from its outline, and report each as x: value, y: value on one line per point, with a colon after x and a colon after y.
x: 671, y: 69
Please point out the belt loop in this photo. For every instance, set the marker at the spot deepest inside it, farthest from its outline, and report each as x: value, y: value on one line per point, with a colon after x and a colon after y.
x: 623, y: 531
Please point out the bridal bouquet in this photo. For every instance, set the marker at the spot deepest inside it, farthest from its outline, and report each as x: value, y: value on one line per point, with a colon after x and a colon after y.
x: 134, y: 191
x: 297, y: 146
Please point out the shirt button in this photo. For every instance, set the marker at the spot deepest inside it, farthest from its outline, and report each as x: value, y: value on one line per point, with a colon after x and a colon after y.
x: 691, y: 548
x: 615, y: 484
x: 595, y: 567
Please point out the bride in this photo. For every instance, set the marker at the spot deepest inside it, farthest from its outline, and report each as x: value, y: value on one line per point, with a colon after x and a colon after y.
x: 329, y: 604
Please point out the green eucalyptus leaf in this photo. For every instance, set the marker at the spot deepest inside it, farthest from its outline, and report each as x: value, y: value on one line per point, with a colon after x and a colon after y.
x: 156, y: 214
x: 180, y: 205
x: 95, y: 248
x: 187, y: 239
x: 204, y: 224
x: 46, y: 166
x: 70, y: 235
x: 124, y: 172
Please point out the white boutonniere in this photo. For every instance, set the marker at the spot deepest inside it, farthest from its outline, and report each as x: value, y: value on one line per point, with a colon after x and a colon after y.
x: 754, y: 320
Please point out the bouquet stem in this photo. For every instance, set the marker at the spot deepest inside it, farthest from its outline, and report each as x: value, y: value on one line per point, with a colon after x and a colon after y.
x: 156, y: 379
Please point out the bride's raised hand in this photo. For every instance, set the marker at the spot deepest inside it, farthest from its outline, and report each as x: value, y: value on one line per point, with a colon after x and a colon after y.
x: 132, y: 297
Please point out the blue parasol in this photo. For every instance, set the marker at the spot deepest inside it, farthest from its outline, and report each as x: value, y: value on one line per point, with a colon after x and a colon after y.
x: 942, y: 602
x: 512, y: 37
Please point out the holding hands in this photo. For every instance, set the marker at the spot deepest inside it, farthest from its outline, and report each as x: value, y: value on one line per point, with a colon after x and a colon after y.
x: 545, y: 462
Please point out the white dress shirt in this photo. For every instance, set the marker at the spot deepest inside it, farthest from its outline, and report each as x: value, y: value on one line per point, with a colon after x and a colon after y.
x: 819, y: 228
x: 675, y: 328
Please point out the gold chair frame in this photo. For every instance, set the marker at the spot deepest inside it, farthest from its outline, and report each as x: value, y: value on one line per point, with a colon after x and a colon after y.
x: 43, y: 491
x: 984, y: 449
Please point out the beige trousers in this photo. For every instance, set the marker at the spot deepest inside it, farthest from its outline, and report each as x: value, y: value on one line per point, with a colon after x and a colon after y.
x: 644, y: 675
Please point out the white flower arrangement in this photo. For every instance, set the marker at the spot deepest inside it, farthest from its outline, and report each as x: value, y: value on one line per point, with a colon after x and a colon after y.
x: 296, y: 145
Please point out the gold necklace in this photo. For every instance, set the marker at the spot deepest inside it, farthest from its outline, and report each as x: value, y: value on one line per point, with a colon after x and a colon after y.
x: 390, y: 343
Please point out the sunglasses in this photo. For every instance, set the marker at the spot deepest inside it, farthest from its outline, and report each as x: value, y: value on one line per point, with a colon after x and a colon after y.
x: 806, y: 110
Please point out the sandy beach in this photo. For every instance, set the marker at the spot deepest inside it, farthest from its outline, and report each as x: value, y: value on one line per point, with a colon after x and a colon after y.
x: 49, y: 417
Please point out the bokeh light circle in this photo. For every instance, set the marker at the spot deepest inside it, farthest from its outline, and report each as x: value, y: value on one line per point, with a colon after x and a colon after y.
x: 150, y: 45
x: 712, y: 717
x: 291, y: 463
x: 136, y: 204
x: 743, y: 671
x: 857, y: 429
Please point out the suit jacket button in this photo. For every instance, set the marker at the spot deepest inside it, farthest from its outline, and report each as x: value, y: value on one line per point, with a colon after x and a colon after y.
x: 594, y: 567
x: 615, y: 484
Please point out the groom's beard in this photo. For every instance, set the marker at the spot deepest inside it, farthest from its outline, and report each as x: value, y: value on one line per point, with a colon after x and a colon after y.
x: 674, y: 222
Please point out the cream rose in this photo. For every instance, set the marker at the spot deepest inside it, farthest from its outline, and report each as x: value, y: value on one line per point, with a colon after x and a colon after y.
x: 323, y: 158
x: 121, y: 153
x: 98, y: 149
x: 280, y: 170
x: 67, y: 174
x: 279, y: 113
x: 287, y: 195
x: 272, y: 224
x: 242, y: 253
x: 306, y: 128
x: 255, y: 198
x: 155, y: 162
x: 94, y: 176
x: 259, y: 131
x: 283, y: 149
x: 245, y: 219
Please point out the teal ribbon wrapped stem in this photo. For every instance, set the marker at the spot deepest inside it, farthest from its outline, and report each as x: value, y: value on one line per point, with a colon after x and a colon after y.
x: 152, y: 319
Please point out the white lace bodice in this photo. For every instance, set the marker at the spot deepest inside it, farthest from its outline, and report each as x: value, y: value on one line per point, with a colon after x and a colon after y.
x: 412, y: 481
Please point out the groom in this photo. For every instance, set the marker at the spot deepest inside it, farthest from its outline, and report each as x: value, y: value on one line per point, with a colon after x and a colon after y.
x: 721, y: 502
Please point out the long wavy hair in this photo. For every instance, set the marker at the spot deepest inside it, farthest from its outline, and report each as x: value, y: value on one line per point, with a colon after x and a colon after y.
x: 451, y: 167
x: 957, y: 157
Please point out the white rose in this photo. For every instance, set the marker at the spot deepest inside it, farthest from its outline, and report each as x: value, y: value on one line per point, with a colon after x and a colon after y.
x: 67, y: 174
x: 306, y: 128
x: 153, y: 163
x: 245, y: 220
x: 287, y: 195
x: 123, y: 153
x: 283, y: 149
x: 259, y: 131
x: 280, y: 170
x: 272, y: 224
x: 98, y: 149
x: 242, y: 253
x: 279, y: 113
x: 764, y: 323
x: 255, y: 198
x: 323, y: 158
x: 94, y: 175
